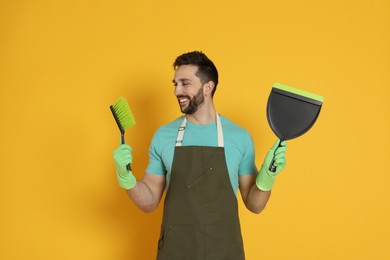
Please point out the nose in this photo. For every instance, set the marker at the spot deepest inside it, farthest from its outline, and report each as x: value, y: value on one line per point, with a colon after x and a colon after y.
x: 178, y: 90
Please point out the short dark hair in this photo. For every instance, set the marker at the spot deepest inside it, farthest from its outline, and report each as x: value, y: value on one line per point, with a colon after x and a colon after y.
x: 206, y: 68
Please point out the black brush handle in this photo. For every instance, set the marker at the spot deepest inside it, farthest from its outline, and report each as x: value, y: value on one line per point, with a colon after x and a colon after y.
x: 272, y: 168
x: 128, y: 167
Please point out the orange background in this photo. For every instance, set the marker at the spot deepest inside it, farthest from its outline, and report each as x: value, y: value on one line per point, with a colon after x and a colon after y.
x: 62, y: 64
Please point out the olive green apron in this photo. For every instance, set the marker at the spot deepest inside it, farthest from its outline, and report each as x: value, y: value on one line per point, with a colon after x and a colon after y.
x: 200, y: 220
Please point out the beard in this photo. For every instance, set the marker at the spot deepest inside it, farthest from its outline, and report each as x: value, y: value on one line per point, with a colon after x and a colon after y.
x: 194, y: 103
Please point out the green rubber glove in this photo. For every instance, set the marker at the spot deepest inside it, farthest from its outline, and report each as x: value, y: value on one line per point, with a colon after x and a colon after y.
x: 265, y: 178
x: 122, y: 157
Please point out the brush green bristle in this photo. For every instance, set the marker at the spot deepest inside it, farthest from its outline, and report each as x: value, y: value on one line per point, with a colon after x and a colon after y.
x: 123, y: 113
x: 298, y: 92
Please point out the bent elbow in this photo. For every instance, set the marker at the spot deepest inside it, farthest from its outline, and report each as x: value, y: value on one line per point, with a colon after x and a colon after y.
x: 256, y: 209
x: 148, y: 208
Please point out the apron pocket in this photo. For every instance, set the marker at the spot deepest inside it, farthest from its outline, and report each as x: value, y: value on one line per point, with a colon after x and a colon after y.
x: 208, y: 187
x: 178, y: 242
x: 221, y: 243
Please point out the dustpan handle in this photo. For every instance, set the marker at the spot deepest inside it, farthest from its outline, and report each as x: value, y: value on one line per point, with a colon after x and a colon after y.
x: 272, y: 168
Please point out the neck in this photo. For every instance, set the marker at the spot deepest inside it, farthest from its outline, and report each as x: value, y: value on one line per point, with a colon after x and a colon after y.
x: 204, y: 116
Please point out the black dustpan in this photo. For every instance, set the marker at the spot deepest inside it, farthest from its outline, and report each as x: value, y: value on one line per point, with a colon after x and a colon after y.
x: 291, y: 112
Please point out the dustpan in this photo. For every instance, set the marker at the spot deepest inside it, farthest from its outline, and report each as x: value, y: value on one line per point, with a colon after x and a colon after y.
x: 291, y: 112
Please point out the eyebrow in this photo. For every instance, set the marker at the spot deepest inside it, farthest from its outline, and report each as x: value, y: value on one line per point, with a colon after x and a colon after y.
x: 183, y: 79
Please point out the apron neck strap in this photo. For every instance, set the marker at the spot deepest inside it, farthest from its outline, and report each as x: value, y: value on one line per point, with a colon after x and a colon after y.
x: 180, y: 134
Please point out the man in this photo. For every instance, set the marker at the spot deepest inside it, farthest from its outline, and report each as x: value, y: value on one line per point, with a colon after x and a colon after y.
x: 202, y: 159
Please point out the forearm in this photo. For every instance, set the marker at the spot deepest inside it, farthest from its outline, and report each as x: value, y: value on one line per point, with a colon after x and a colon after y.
x: 143, y: 197
x: 146, y: 193
x: 256, y: 199
x: 256, y: 188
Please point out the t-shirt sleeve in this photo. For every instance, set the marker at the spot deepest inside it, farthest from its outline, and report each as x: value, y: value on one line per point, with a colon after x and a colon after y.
x: 248, y: 165
x: 156, y: 165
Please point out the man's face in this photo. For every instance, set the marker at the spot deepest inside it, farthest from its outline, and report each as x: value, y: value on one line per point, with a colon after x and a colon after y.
x: 188, y: 89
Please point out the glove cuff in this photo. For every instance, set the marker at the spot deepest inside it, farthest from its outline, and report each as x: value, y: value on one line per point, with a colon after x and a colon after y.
x: 264, y: 181
x: 126, y: 181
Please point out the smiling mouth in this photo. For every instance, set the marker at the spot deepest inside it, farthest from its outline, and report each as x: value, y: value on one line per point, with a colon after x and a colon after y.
x: 183, y: 100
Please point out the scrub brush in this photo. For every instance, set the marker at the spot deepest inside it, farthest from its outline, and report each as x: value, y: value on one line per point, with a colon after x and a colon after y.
x: 124, y: 118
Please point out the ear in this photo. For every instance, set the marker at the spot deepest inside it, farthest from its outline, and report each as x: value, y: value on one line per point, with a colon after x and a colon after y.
x: 208, y: 88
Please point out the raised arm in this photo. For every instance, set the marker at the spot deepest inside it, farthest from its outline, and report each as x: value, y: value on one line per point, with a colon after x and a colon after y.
x: 256, y: 189
x: 254, y: 199
x: 145, y: 193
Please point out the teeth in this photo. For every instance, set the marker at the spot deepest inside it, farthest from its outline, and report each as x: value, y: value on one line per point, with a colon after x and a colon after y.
x: 182, y: 100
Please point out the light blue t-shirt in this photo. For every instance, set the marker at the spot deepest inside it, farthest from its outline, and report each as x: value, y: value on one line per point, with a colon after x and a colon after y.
x: 239, y: 148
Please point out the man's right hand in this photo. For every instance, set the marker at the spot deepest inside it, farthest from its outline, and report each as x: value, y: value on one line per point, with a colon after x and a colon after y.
x: 122, y: 157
